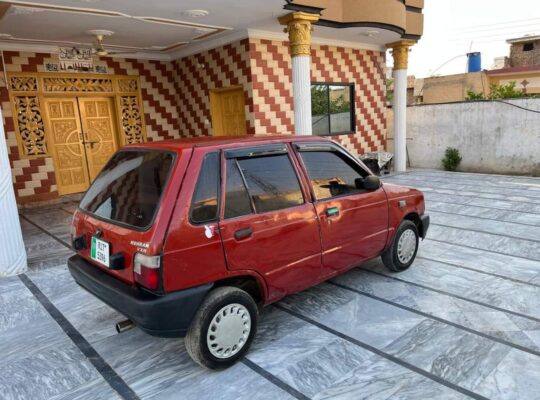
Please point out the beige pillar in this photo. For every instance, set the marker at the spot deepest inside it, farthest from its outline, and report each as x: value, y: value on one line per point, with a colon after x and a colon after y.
x: 299, y: 27
x: 400, y: 53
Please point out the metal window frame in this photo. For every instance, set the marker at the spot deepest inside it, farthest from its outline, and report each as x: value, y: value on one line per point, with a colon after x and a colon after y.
x: 218, y: 193
x: 352, y: 94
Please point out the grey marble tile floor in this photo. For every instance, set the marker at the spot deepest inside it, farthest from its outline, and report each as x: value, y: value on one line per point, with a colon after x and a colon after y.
x: 462, y: 322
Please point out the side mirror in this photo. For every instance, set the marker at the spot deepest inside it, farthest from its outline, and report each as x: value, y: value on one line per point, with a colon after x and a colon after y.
x: 370, y: 182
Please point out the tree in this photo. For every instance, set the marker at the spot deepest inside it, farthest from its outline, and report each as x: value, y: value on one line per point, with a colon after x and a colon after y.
x: 389, y: 91
x: 339, y: 105
x: 507, y: 91
x: 319, y: 100
x: 496, y: 92
x: 473, y: 96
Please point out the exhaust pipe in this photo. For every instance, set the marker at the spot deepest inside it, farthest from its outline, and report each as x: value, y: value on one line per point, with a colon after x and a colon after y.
x: 123, y: 326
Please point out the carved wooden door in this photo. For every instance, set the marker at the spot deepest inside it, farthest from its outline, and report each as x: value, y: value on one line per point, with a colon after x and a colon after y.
x: 98, y: 132
x: 67, y: 145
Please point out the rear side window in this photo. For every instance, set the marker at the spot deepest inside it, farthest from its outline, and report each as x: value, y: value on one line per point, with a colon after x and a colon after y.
x: 271, y: 182
x: 332, y: 174
x: 204, y: 205
x: 129, y: 188
x: 237, y: 201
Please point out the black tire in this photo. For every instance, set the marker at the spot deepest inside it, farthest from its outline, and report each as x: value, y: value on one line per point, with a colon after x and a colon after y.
x: 196, y: 339
x: 391, y: 257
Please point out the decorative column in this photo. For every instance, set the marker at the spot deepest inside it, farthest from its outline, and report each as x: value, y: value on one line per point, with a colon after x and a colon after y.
x: 400, y: 52
x: 299, y: 27
x: 12, y: 252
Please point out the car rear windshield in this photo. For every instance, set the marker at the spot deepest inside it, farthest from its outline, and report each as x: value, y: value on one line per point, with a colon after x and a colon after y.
x: 128, y: 190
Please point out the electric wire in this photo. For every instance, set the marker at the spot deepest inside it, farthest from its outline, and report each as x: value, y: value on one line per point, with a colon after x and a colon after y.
x: 496, y: 25
x: 515, y: 105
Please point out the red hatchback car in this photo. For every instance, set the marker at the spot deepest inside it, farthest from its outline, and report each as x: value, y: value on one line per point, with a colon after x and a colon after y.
x: 189, y: 237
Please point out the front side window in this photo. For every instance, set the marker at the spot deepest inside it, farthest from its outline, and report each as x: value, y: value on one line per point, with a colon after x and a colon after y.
x: 332, y: 108
x: 129, y: 188
x: 271, y: 182
x: 332, y: 174
x: 204, y: 205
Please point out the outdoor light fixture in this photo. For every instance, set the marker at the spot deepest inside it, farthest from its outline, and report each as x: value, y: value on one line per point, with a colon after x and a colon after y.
x: 370, y: 33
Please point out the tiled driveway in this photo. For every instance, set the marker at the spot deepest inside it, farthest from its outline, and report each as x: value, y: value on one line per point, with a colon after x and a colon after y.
x: 464, y: 321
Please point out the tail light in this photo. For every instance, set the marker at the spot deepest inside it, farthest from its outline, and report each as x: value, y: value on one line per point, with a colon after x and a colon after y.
x: 77, y: 242
x: 146, y: 269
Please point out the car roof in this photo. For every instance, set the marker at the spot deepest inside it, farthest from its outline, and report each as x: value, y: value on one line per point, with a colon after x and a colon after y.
x: 216, y: 141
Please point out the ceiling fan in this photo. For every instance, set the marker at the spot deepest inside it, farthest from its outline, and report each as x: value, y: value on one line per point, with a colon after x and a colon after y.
x: 99, y: 49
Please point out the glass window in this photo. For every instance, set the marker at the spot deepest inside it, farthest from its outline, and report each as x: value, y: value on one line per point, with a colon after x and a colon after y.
x: 319, y: 110
x: 237, y: 201
x: 271, y: 182
x: 129, y: 188
x: 204, y: 205
x: 332, y: 108
x: 332, y: 174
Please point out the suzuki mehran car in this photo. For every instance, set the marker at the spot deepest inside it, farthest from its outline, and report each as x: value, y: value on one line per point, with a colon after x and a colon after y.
x: 190, y: 237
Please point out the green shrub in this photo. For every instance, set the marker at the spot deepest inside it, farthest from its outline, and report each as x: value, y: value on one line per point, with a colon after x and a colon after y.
x: 473, y: 96
x: 507, y: 91
x: 451, y: 159
x: 497, y: 92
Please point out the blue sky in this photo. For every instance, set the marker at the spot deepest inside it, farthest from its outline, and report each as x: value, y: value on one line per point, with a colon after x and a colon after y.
x: 452, y: 28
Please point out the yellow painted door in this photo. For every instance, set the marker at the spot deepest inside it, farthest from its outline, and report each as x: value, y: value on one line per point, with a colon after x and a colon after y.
x: 66, y: 145
x: 228, y: 112
x: 99, y: 132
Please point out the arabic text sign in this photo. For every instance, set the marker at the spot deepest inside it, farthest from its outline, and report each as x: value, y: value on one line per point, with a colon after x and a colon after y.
x: 73, y: 59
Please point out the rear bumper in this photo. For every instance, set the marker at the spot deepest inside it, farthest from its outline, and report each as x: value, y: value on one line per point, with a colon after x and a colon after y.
x: 167, y: 316
x: 425, y: 225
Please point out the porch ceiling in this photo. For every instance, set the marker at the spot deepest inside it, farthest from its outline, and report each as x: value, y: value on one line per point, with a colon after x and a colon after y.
x: 158, y: 29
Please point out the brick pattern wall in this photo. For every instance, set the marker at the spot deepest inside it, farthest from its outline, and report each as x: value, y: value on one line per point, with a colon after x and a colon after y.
x: 263, y: 67
x: 520, y: 58
x: 272, y: 89
x: 196, y: 75
x: 34, y: 179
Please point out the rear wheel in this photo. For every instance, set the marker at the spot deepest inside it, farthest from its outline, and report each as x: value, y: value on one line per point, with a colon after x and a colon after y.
x: 401, y: 254
x: 223, y: 328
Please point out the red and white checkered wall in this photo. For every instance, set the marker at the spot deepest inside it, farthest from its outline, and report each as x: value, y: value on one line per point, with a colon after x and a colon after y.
x: 196, y: 75
x: 263, y: 68
x: 176, y: 97
x: 34, y: 179
x: 272, y: 89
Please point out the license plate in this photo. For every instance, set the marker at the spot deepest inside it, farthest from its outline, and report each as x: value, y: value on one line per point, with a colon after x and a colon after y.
x: 99, y: 251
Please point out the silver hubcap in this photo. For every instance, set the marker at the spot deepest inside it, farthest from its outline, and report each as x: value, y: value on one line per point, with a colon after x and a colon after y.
x: 229, y: 331
x: 406, y: 246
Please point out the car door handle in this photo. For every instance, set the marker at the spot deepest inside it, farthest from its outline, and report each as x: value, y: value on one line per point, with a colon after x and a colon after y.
x: 243, y: 233
x: 332, y: 212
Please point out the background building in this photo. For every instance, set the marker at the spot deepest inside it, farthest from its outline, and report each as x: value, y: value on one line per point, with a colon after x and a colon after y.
x: 452, y: 88
x: 524, y: 52
x: 522, y: 66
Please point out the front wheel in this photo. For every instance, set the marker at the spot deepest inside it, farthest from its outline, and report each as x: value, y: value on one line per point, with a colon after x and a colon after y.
x: 223, y: 328
x: 401, y: 254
